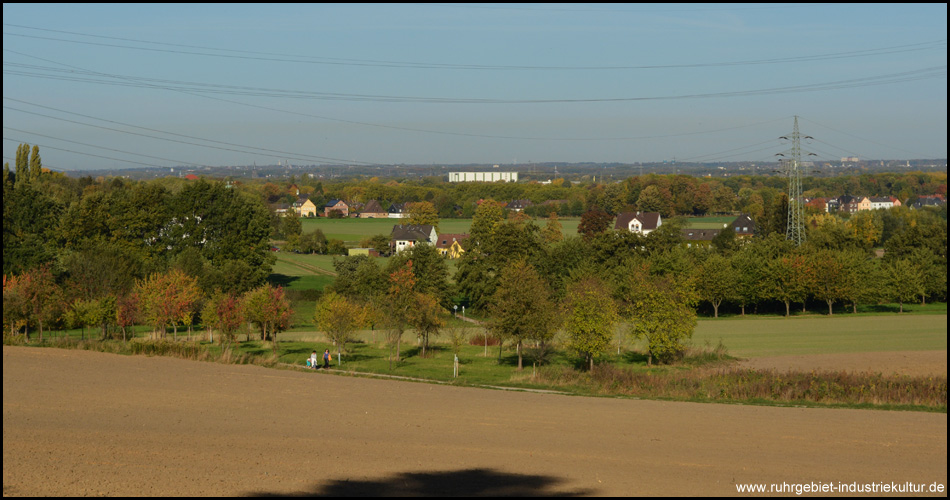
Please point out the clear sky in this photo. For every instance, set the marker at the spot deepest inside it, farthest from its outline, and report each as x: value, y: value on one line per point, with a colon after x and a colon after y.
x: 122, y: 86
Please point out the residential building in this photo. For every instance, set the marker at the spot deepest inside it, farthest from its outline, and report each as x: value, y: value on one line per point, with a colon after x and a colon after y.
x: 398, y: 211
x: 450, y: 245
x: 304, y: 206
x: 373, y: 210
x: 518, y: 205
x: 409, y: 235
x: 638, y: 222
x: 338, y: 205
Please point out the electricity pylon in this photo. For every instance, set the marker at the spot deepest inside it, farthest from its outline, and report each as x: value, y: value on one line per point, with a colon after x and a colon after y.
x: 795, y: 229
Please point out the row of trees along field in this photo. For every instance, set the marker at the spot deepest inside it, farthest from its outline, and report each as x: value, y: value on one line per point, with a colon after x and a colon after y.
x: 667, y: 194
x: 529, y: 282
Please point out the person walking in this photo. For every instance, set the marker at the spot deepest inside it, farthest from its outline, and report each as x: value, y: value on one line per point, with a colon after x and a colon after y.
x: 326, y: 358
x: 313, y: 360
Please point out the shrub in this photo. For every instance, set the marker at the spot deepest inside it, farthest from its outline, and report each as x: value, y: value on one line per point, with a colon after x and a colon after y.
x: 479, y: 339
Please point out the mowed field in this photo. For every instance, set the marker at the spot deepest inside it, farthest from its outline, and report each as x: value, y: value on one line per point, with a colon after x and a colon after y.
x: 351, y: 231
x: 88, y: 423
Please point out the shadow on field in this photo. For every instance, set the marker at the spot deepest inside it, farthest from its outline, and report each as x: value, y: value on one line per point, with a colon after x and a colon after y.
x: 462, y: 483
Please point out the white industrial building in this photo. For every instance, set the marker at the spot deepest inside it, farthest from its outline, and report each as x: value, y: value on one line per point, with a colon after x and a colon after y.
x: 483, y: 176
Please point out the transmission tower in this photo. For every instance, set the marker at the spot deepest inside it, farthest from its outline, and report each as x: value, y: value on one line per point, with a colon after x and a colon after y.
x: 795, y: 230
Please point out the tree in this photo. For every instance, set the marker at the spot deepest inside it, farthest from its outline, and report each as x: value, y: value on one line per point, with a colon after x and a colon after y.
x: 552, y: 232
x: 594, y: 222
x: 663, y: 312
x: 430, y: 269
x: 423, y: 213
x: 224, y: 312
x: 716, y: 281
x: 36, y: 164
x: 655, y: 199
x: 313, y: 242
x: 590, y: 317
x: 521, y: 308
x: 905, y: 281
x: 358, y: 277
x: 127, y: 312
x: 427, y: 316
x: 862, y: 278
x: 830, y: 277
x: 15, y: 304
x: 168, y: 298
x: 400, y: 296
x: 788, y: 280
x: 45, y: 296
x: 22, y: 164
x: 338, y: 317
x: 487, y: 215
x: 268, y: 307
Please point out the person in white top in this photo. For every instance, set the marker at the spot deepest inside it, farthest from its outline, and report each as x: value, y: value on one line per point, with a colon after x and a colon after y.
x: 312, y: 362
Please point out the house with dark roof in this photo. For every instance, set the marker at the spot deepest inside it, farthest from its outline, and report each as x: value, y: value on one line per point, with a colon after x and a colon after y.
x: 935, y: 200
x: 373, y: 210
x: 743, y: 226
x: 398, y: 210
x: 407, y: 236
x: 338, y: 205
x: 638, y: 222
x: 518, y: 205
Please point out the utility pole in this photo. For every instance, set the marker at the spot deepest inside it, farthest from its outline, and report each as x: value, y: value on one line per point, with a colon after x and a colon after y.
x: 795, y: 229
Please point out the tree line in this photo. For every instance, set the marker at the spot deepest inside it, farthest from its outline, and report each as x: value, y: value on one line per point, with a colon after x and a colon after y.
x: 530, y: 282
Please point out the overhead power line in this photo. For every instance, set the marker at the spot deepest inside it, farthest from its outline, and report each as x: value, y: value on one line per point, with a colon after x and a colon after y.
x: 211, y: 88
x: 304, y: 59
x: 392, y: 127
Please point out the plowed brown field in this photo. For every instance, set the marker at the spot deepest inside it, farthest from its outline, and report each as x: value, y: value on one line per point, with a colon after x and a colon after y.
x: 87, y: 423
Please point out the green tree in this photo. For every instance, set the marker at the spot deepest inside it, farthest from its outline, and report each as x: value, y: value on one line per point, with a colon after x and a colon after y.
x: 663, y: 312
x: 521, y: 308
x: 552, y: 232
x: 430, y: 269
x: 655, y: 199
x: 831, y: 280
x: 488, y: 214
x: 590, y: 318
x: 423, y: 213
x: 36, y: 165
x: 22, y: 164
x: 402, y: 283
x: 905, y: 281
x: 339, y: 317
x: 358, y: 277
x: 427, y: 317
x: 716, y: 281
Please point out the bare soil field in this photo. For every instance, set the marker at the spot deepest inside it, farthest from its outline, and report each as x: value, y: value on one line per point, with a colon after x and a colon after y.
x: 81, y: 423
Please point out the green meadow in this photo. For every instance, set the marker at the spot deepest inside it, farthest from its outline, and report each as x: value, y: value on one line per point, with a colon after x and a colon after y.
x: 352, y: 230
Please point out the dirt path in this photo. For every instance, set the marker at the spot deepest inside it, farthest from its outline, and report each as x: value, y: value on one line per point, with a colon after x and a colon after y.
x: 87, y: 423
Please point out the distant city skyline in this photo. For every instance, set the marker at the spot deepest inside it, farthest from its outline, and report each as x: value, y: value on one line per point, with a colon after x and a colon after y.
x: 123, y: 86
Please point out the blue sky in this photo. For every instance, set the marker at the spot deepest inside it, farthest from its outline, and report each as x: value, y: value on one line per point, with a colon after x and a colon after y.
x: 125, y: 86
